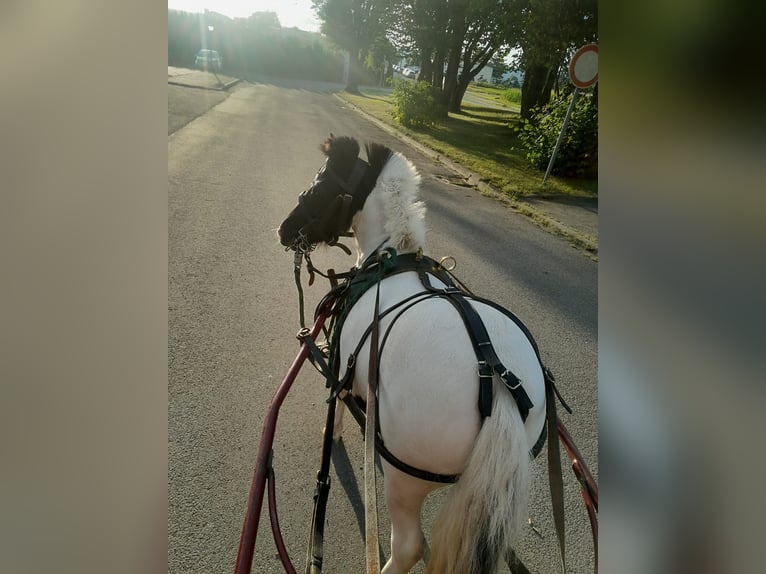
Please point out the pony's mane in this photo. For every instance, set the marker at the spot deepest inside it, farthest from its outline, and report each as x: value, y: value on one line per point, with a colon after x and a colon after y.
x: 395, y: 182
x: 398, y: 186
x: 377, y: 156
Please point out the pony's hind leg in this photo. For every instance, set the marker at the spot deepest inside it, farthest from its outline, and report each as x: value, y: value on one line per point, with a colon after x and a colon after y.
x: 404, y: 497
x: 337, y: 423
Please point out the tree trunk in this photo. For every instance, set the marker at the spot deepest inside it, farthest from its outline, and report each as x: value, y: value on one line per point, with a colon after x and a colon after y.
x: 457, y: 95
x: 545, y: 96
x: 536, y: 78
x: 426, y: 66
x: 438, y: 77
x: 459, y: 28
x: 352, y: 84
x: 467, y: 74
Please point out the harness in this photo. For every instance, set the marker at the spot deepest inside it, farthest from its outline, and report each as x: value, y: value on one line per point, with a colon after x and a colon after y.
x: 386, y: 264
x: 339, y: 209
x: 341, y: 299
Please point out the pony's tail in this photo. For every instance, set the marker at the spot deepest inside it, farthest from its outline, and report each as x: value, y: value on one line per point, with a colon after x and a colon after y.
x: 485, y: 510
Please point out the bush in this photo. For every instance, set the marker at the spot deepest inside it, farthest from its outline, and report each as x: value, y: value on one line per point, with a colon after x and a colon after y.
x: 414, y: 104
x: 578, y: 154
x: 512, y: 95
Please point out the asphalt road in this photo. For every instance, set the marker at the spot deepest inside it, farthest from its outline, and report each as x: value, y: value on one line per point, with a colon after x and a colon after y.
x: 234, y: 173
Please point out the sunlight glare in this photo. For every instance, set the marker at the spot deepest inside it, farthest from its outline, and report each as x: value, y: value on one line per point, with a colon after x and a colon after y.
x: 291, y: 13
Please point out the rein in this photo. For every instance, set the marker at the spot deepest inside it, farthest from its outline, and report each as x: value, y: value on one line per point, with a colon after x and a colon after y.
x: 303, y: 252
x: 338, y: 210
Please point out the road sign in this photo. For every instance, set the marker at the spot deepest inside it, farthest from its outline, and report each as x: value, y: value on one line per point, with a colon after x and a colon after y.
x: 583, y: 68
x: 583, y: 71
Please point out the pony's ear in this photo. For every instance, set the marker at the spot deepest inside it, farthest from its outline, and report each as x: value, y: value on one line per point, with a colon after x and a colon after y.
x: 340, y: 148
x: 327, y: 145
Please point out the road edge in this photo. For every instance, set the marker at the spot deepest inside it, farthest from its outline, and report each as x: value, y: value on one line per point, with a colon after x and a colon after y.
x: 582, y: 241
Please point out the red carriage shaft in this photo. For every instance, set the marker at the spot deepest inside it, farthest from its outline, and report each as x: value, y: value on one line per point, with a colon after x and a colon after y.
x: 589, y: 489
x: 578, y: 465
x: 262, y: 462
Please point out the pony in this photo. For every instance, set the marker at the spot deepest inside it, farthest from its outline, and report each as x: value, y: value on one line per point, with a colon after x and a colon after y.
x: 430, y: 388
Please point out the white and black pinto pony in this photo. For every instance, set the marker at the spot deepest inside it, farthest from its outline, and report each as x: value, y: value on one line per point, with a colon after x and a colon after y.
x: 428, y: 380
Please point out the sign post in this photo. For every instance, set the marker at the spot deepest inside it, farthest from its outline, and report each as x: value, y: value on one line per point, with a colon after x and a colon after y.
x: 583, y: 72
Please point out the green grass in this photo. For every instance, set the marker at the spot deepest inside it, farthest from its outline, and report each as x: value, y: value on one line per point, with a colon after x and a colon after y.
x: 496, y: 96
x: 481, y: 139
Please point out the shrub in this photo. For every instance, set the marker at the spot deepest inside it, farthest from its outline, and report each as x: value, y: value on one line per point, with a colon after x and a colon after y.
x: 578, y: 154
x: 414, y: 104
x: 512, y: 95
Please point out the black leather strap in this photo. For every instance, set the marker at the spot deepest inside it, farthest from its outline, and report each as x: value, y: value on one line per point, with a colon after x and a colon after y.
x: 357, y: 173
x: 411, y: 470
x: 489, y: 364
x: 485, y: 353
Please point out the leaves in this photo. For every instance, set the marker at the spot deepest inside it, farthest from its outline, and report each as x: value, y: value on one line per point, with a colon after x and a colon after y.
x: 414, y: 104
x: 578, y: 154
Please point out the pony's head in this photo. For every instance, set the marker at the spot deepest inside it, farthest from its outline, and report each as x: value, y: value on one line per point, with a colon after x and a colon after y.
x: 339, y: 189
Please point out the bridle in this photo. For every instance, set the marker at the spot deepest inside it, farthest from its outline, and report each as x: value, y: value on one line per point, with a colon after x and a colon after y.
x: 338, y: 209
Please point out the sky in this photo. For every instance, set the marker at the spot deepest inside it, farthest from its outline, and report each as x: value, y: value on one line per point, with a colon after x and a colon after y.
x: 291, y: 13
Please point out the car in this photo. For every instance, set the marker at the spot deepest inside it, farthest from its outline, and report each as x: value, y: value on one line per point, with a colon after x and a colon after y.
x: 411, y: 72
x: 208, y: 59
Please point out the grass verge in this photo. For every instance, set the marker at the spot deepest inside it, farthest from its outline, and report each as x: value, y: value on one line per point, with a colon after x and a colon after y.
x: 482, y: 139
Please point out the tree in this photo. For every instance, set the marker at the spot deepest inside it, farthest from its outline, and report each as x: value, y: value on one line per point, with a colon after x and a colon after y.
x: 548, y: 32
x: 253, y: 45
x: 485, y: 37
x: 499, y: 67
x: 354, y: 25
x: 452, y: 39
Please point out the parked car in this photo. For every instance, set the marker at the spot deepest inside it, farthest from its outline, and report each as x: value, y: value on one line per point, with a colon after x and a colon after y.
x: 208, y: 60
x: 411, y: 72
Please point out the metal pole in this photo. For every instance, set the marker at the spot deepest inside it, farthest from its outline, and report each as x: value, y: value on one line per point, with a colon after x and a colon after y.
x: 561, y: 134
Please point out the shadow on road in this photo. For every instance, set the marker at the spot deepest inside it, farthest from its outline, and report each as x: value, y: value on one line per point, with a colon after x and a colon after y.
x: 345, y: 472
x: 296, y: 84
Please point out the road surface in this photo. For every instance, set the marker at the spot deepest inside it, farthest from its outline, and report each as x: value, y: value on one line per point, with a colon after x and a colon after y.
x: 234, y: 173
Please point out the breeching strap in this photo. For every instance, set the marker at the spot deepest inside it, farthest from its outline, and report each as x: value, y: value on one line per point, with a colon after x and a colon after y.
x: 370, y: 489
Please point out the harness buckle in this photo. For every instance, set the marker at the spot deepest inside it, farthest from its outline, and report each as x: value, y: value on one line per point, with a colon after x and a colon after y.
x: 505, y: 378
x: 303, y: 333
x: 447, y: 263
x: 486, y: 376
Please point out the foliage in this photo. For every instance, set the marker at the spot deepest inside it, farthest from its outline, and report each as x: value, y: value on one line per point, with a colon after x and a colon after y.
x: 578, y: 153
x: 357, y: 26
x: 451, y: 40
x: 499, y: 66
x: 480, y: 140
x: 547, y: 34
x: 253, y: 45
x: 551, y: 30
x: 414, y: 104
x: 512, y: 95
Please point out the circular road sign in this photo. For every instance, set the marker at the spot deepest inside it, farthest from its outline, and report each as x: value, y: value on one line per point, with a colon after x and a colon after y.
x: 583, y: 68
